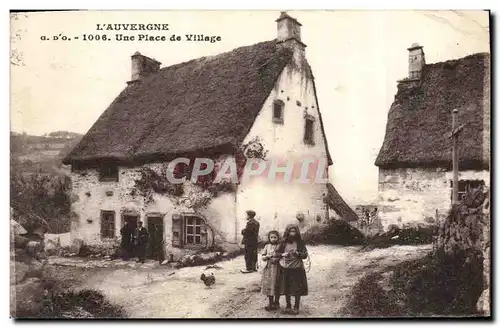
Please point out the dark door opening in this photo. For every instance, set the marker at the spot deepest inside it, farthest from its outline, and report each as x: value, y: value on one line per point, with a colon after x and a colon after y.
x: 132, y: 223
x: 156, y: 242
x: 131, y: 220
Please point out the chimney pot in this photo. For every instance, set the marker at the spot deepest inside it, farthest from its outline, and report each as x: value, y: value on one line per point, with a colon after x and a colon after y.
x: 288, y: 28
x: 143, y: 66
x: 416, y: 61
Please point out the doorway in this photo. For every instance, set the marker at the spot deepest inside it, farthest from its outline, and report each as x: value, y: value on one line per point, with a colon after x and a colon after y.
x: 131, y: 220
x: 156, y: 242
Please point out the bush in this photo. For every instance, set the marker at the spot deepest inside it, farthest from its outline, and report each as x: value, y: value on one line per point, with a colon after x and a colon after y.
x: 335, y: 232
x: 438, y: 284
x: 40, y: 200
x: 91, y: 301
x: 408, y: 234
x: 444, y: 284
x: 369, y: 299
x: 47, y: 300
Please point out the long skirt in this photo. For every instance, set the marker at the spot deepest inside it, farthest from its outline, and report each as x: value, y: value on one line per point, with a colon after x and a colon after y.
x: 293, y: 282
x: 270, y: 279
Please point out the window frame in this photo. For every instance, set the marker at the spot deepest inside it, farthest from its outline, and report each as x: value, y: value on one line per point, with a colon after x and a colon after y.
x: 281, y: 118
x: 465, y: 186
x: 111, y: 176
x: 106, y: 227
x: 196, y: 222
x: 309, y: 139
x: 193, y: 239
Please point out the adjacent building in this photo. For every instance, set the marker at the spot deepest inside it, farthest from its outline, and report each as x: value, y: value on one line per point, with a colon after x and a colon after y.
x: 415, y: 160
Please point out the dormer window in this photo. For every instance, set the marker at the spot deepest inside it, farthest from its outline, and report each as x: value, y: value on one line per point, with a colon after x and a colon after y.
x: 278, y: 112
x: 309, y: 130
x: 108, y: 172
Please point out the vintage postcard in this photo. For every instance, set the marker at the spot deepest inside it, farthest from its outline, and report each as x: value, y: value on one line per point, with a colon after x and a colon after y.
x: 250, y: 164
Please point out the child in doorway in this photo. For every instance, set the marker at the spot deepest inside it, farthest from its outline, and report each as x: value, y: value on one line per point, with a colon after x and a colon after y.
x: 270, y: 272
x: 292, y: 277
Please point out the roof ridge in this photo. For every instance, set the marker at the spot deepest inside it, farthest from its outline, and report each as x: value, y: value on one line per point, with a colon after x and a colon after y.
x: 477, y: 54
x: 178, y: 65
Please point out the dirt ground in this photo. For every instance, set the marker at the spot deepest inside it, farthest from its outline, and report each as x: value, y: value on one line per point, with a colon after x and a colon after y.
x: 150, y: 291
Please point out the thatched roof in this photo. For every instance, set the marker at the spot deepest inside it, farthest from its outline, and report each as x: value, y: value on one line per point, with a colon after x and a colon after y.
x: 337, y: 203
x: 201, y: 105
x: 419, y: 121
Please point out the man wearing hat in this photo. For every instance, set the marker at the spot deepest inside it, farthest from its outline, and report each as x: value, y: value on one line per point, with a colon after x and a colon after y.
x: 250, y: 240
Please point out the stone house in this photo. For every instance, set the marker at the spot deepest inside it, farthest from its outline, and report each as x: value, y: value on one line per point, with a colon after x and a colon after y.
x: 256, y: 101
x: 415, y: 160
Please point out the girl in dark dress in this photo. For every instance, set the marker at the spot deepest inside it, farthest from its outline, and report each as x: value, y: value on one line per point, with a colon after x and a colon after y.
x: 292, y: 280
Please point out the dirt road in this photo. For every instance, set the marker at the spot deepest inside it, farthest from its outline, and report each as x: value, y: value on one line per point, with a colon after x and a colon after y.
x: 148, y: 292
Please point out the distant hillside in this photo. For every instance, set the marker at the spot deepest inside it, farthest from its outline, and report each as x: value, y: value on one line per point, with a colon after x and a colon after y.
x: 64, y: 134
x: 42, y: 153
x: 39, y: 187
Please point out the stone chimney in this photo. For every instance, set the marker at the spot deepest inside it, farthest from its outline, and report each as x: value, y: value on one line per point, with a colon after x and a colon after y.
x: 143, y: 66
x: 416, y: 61
x: 289, y: 35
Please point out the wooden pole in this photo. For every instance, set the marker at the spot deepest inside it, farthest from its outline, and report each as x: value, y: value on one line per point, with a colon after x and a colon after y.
x: 454, y: 127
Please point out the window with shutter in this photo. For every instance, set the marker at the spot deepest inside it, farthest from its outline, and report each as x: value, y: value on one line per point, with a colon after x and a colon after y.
x: 188, y: 230
x: 107, y: 224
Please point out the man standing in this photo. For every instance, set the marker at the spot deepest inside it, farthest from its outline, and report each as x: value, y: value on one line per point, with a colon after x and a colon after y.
x: 157, y: 244
x: 127, y: 243
x: 142, y: 241
x: 250, y: 240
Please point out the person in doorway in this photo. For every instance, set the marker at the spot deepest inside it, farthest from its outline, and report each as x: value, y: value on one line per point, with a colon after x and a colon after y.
x: 157, y: 244
x: 250, y: 241
x: 141, y: 242
x: 293, y: 281
x: 127, y: 242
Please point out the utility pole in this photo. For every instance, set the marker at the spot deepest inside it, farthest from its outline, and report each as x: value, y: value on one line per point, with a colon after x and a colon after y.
x: 454, y: 135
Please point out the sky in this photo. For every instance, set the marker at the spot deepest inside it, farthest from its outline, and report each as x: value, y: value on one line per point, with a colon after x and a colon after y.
x: 356, y: 56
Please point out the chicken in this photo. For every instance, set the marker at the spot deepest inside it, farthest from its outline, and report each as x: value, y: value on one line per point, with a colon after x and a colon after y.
x: 208, y: 280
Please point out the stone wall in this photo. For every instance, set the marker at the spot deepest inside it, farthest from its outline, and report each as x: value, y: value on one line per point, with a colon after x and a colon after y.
x: 485, y: 299
x: 91, y: 196
x: 418, y: 194
x: 467, y: 228
x: 369, y: 222
x: 486, y: 112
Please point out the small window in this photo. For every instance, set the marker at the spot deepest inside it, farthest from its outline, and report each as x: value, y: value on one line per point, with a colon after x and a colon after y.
x: 107, y: 224
x: 465, y: 186
x: 189, y: 231
x: 309, y: 131
x: 181, y: 170
x: 193, y: 230
x: 108, y: 172
x: 278, y: 112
